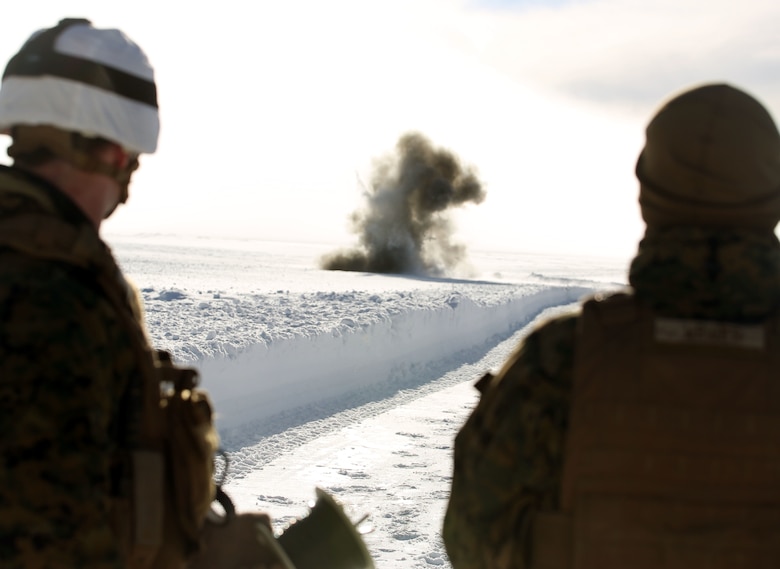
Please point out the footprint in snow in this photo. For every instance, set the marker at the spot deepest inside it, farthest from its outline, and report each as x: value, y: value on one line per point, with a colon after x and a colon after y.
x: 411, y: 465
x: 405, y: 536
x: 274, y: 499
x: 354, y: 474
x: 410, y: 435
x: 435, y: 559
x: 404, y: 453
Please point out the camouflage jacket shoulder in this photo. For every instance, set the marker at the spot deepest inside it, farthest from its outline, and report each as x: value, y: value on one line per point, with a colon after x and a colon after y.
x: 65, y: 372
x: 708, y: 273
x: 509, y: 454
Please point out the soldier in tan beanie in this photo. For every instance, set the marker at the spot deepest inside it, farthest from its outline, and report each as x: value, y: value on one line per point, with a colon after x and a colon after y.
x: 712, y: 158
x: 643, y: 429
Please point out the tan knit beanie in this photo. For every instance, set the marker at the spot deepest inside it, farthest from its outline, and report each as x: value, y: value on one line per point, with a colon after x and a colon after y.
x: 711, y: 158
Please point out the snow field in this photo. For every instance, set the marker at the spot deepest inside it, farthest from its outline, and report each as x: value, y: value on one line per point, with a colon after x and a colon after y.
x: 375, y: 359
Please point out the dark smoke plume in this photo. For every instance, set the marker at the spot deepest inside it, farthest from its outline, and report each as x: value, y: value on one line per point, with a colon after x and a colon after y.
x: 405, y: 227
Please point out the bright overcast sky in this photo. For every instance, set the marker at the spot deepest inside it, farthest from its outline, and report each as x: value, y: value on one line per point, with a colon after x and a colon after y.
x: 273, y: 112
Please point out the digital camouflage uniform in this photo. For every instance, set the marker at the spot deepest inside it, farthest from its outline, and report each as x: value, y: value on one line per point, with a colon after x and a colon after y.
x: 74, y: 360
x: 509, y: 454
x: 723, y: 266
x: 107, y: 446
x: 66, y: 365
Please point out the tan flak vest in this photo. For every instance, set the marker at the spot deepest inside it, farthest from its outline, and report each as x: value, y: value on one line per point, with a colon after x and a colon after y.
x: 673, y: 454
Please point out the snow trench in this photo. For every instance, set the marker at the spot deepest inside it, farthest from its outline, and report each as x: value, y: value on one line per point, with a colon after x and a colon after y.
x: 362, y: 362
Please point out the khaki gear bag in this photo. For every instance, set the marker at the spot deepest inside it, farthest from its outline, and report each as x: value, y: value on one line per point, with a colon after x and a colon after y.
x: 673, y: 453
x: 240, y: 541
x: 324, y: 539
x: 168, y: 484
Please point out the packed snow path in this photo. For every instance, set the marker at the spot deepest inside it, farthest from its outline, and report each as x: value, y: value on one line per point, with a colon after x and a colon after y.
x: 390, y: 459
x: 382, y: 447
x: 358, y: 361
x: 350, y: 381
x: 359, y: 369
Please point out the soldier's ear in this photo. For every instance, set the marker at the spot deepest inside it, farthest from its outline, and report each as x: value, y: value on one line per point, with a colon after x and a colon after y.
x: 114, y: 156
x: 121, y: 157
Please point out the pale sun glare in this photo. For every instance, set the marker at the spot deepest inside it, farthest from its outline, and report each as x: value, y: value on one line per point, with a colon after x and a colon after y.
x: 273, y: 114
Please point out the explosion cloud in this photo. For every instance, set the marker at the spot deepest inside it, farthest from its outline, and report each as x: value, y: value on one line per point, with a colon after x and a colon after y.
x: 404, y: 227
